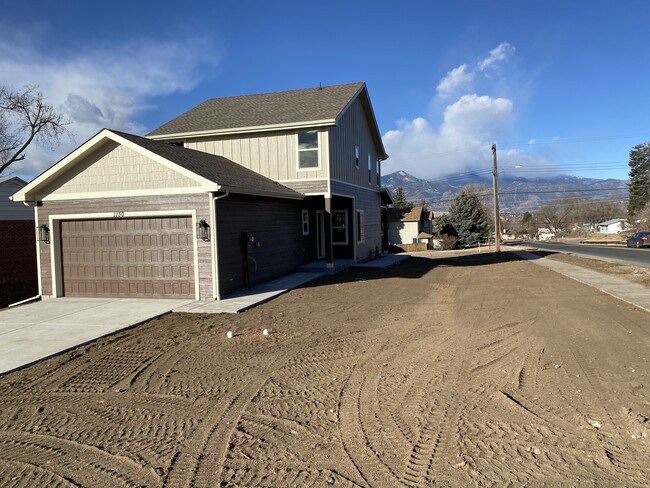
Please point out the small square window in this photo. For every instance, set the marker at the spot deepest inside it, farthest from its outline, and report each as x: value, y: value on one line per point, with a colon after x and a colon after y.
x: 305, y: 222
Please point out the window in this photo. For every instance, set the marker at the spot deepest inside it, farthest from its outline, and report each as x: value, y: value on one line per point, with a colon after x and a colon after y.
x: 339, y: 226
x: 305, y: 222
x: 356, y: 156
x: 308, y: 149
x: 361, y: 226
x: 369, y: 169
x: 378, y: 173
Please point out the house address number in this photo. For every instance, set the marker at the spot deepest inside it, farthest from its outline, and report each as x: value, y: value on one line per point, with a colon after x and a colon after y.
x: 118, y: 214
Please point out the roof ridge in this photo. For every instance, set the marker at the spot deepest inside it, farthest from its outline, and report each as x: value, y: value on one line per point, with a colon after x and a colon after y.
x: 284, y: 91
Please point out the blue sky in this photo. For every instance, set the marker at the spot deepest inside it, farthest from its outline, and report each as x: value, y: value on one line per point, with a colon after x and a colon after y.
x: 559, y: 86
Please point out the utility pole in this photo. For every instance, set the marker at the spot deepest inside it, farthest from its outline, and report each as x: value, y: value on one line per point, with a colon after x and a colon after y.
x: 497, y: 220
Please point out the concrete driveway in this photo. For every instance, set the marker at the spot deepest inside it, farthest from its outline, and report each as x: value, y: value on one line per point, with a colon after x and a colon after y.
x: 38, y: 330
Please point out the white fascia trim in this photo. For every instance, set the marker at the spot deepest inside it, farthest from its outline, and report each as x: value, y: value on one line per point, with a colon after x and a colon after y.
x: 128, y: 193
x: 300, y: 180
x: 55, y: 240
x: 373, y: 189
x: 245, y: 130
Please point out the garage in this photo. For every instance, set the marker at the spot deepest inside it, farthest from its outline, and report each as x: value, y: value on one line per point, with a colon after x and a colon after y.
x: 134, y: 257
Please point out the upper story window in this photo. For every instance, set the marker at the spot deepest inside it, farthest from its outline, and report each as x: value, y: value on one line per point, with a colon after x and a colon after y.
x: 308, y: 149
x: 378, y: 170
x: 356, y: 155
x: 369, y: 169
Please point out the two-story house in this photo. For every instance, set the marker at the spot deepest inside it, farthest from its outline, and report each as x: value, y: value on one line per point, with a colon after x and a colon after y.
x: 233, y: 192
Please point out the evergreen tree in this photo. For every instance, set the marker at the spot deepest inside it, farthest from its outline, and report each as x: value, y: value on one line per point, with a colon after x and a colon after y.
x: 399, y: 199
x: 468, y: 216
x: 639, y: 186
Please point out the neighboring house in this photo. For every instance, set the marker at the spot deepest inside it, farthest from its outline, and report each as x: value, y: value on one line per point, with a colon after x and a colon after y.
x: 18, y: 256
x: 544, y: 233
x: 410, y: 226
x: 233, y: 192
x: 613, y: 226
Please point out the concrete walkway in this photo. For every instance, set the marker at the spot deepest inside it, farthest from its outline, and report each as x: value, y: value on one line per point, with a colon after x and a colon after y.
x: 633, y: 293
x: 31, y: 332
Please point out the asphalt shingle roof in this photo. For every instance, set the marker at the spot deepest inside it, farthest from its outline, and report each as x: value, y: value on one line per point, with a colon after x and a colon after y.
x: 287, y: 107
x: 215, y: 168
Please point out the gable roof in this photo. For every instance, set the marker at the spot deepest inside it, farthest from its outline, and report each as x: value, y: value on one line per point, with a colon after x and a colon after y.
x: 215, y: 173
x: 265, y: 109
x: 309, y: 107
x: 414, y: 214
x: 610, y: 222
x: 14, y: 179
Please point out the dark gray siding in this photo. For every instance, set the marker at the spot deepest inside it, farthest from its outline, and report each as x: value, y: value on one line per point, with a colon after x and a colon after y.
x: 370, y: 202
x: 275, y: 224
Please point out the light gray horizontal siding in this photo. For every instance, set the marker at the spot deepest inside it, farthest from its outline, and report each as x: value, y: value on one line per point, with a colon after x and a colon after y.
x: 13, y: 210
x: 318, y: 186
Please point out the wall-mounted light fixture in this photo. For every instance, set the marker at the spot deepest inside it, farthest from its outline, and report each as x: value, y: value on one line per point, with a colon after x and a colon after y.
x: 43, y: 233
x: 203, y: 230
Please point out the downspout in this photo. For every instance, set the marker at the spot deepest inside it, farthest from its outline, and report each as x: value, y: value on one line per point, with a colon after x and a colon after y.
x: 215, y: 248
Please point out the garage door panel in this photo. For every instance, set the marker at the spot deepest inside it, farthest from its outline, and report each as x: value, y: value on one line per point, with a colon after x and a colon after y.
x: 150, y: 257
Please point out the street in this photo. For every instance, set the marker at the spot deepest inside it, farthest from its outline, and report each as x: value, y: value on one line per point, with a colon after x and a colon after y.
x: 638, y: 257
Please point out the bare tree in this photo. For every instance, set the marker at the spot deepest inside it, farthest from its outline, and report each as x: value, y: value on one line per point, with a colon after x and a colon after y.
x: 557, y: 215
x: 26, y: 118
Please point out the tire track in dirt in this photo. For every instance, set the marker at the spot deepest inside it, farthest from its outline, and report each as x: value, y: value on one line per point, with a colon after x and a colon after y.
x: 100, y: 469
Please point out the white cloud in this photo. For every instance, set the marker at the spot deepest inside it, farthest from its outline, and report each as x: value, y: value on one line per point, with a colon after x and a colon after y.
x: 532, y: 141
x: 460, y: 143
x: 496, y: 56
x: 454, y: 79
x: 100, y: 88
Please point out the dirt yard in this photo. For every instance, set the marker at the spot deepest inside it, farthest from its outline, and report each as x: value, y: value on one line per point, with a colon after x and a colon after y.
x: 467, y: 370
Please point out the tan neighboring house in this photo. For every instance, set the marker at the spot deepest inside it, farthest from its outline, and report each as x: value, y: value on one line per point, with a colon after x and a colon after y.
x: 412, y: 226
x: 231, y: 193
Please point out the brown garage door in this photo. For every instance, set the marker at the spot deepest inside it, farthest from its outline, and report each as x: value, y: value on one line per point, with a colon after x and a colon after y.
x: 149, y: 257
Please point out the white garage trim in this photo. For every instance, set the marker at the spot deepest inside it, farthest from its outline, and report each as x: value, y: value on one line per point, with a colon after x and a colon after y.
x: 55, y: 240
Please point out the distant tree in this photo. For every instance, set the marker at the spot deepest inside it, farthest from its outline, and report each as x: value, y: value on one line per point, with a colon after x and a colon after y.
x: 26, y: 118
x: 639, y: 186
x: 443, y: 228
x: 469, y: 218
x: 399, y: 199
x: 556, y: 216
x: 593, y: 212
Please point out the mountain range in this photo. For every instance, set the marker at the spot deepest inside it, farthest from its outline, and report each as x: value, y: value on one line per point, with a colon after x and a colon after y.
x: 516, y: 194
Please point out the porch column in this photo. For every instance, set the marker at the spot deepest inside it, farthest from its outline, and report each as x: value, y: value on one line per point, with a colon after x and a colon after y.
x: 329, y: 254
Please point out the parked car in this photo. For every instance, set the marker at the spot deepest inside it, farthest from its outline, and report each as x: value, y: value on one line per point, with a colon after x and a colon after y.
x: 639, y: 239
